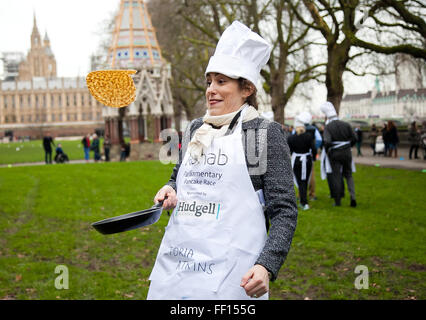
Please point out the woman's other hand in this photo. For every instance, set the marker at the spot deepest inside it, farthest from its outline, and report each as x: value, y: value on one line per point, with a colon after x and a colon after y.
x: 256, y: 281
x: 169, y: 193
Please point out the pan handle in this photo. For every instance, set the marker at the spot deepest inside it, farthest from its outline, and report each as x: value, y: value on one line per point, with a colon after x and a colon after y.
x: 160, y: 203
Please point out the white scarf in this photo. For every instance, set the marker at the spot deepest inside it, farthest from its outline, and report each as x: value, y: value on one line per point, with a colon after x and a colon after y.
x: 204, y: 135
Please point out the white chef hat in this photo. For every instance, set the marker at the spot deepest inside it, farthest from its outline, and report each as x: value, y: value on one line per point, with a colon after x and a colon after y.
x: 304, y: 117
x: 240, y: 53
x: 328, y: 109
x: 298, y: 123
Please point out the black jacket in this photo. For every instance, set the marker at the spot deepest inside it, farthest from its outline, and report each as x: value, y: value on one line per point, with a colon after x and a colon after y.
x: 47, y: 143
x: 302, y: 143
x: 338, y: 130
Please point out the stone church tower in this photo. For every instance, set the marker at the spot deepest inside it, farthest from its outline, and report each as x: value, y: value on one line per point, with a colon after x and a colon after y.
x: 134, y: 46
x: 40, y: 60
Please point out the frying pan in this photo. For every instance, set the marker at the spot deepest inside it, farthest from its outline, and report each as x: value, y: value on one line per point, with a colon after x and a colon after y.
x: 130, y: 221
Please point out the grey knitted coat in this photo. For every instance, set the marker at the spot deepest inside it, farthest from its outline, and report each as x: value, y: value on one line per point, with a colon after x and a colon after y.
x: 274, y: 175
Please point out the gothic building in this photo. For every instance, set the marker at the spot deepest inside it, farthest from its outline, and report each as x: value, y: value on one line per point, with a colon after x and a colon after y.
x: 134, y: 45
x: 36, y: 101
x: 40, y: 60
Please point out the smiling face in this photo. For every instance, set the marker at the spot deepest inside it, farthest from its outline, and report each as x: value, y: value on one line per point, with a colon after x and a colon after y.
x: 223, y: 94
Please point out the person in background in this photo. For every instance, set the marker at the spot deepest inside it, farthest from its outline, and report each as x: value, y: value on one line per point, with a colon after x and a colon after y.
x: 86, y: 147
x: 358, y: 133
x: 47, y: 146
x: 423, y: 139
x: 127, y: 149
x: 301, y: 145
x: 231, y: 254
x: 393, y: 138
x: 107, y: 147
x: 306, y: 118
x: 385, y: 136
x: 373, y: 136
x: 122, y: 151
x: 414, y: 139
x: 338, y: 140
x: 95, y: 147
x: 60, y: 156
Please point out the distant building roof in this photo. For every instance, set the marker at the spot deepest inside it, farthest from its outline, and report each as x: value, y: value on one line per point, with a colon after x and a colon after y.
x: 386, y: 95
x: 357, y: 97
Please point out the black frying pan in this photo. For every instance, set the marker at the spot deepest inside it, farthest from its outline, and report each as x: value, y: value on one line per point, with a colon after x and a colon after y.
x: 130, y: 221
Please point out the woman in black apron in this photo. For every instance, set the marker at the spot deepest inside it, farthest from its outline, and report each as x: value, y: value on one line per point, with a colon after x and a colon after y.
x: 301, y: 144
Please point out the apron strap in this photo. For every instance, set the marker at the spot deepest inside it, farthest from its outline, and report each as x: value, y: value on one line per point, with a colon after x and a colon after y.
x: 339, y: 144
x: 233, y: 122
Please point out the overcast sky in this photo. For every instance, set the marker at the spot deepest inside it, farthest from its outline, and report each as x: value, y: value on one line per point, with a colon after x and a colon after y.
x: 73, y: 28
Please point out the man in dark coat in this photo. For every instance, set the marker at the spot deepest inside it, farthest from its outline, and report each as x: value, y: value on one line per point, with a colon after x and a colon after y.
x: 47, y: 146
x: 338, y: 140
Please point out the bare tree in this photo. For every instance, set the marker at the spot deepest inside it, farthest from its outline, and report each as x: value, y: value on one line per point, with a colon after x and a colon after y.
x: 290, y: 64
x: 187, y: 49
x: 339, y: 22
x: 399, y: 27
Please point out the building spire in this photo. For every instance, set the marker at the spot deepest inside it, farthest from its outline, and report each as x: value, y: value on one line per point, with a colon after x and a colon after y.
x: 134, y: 42
x: 35, y: 35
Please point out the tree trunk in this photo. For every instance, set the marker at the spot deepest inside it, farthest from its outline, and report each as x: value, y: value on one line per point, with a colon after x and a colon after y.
x: 277, y: 94
x: 338, y: 56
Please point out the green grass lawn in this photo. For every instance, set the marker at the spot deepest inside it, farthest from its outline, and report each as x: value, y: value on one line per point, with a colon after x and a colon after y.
x: 32, y: 151
x: 46, y: 212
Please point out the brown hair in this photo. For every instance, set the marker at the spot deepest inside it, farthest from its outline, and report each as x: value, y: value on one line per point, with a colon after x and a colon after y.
x: 245, y: 84
x: 391, y: 125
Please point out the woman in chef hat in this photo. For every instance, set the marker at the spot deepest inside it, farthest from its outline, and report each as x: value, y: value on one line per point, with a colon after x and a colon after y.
x: 233, y: 182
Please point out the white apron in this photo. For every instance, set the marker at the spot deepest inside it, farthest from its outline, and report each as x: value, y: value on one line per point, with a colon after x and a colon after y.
x: 216, y: 231
x: 303, y: 160
x: 325, y: 162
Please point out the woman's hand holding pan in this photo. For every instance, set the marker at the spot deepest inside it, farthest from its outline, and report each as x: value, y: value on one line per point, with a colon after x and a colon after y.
x: 168, y: 194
